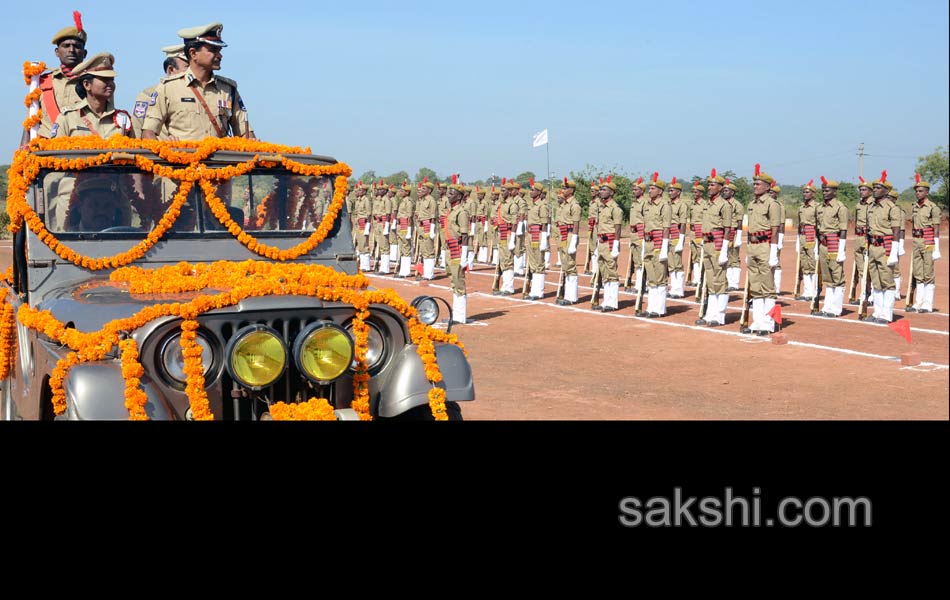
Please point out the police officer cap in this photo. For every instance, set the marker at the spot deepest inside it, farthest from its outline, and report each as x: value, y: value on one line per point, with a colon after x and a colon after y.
x: 762, y: 176
x: 96, y: 182
x: 676, y: 183
x: 657, y: 182
x: 100, y: 65
x: 568, y: 183
x: 918, y: 182
x: 829, y: 183
x: 698, y: 187
x: 731, y: 186
x: 894, y: 194
x: 72, y: 32
x: 175, y: 51
x: 204, y: 34
x: 776, y: 189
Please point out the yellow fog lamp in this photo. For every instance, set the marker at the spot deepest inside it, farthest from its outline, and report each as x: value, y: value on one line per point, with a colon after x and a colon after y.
x: 256, y: 356
x: 323, y: 351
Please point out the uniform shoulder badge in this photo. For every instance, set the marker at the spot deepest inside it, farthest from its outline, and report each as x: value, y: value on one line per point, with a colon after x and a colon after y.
x: 141, y: 107
x: 152, y: 98
x: 55, y: 129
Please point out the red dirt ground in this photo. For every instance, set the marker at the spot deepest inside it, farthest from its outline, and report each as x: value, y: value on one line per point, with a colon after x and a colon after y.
x: 537, y: 360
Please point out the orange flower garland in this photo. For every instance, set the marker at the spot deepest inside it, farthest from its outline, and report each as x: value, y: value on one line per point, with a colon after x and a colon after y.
x: 132, y: 371
x: 8, y: 341
x: 194, y: 371
x: 30, y: 71
x: 314, y: 409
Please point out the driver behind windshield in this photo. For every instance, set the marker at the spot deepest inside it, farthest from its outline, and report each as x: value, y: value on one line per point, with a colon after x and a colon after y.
x: 99, y: 206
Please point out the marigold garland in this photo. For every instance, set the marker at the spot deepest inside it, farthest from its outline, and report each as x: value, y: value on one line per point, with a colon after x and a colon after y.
x: 238, y: 281
x: 8, y: 340
x: 29, y: 72
x: 132, y: 371
x: 314, y: 409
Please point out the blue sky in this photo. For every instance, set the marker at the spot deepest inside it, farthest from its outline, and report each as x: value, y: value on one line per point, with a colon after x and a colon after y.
x: 674, y: 86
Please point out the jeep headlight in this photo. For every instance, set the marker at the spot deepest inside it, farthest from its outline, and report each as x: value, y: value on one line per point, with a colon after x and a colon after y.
x: 375, y: 345
x: 174, y: 362
x: 428, y: 309
x: 323, y: 351
x: 256, y: 356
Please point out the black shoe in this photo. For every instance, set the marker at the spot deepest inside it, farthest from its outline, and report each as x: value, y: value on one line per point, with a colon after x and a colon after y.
x: 828, y: 315
x: 641, y: 313
x: 911, y: 309
x: 799, y: 298
x: 504, y: 293
x: 563, y: 302
x: 713, y: 324
x: 653, y: 315
x: 745, y: 330
x: 496, y: 292
x: 922, y: 311
x: 607, y: 309
x: 701, y: 322
x: 763, y: 333
x: 535, y: 298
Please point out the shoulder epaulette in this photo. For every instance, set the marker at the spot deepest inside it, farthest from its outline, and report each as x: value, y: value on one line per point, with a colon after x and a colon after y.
x: 230, y: 82
x: 172, y: 77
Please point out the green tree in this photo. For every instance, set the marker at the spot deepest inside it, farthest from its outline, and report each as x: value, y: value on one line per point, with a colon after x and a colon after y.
x: 525, y: 177
x: 368, y: 177
x: 426, y: 173
x: 396, y: 178
x: 935, y: 170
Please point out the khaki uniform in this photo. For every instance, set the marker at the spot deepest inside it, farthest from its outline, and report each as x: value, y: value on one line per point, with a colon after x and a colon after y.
x: 363, y: 213
x: 382, y: 210
x: 507, y: 223
x: 781, y: 229
x: 538, y: 218
x: 523, y: 214
x: 482, y: 208
x: 64, y: 92
x: 733, y: 253
x: 178, y: 109
x: 637, y: 232
x: 832, y: 219
x: 444, y: 208
x: 80, y: 121
x: 657, y: 216
x: 608, y: 217
x: 679, y: 217
x: 716, y: 217
x: 696, y: 212
x: 808, y: 237
x: 896, y: 269
x: 860, y: 236
x: 883, y: 217
x: 764, y: 214
x: 142, y: 101
x: 458, y: 223
x: 592, y: 210
x: 404, y: 210
x: 566, y: 216
x: 926, y: 218
x: 425, y: 222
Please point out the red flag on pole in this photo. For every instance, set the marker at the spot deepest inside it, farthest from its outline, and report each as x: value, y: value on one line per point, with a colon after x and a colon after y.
x: 902, y: 327
x: 776, y: 314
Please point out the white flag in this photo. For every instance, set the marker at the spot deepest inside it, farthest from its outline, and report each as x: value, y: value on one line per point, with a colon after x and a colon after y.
x: 540, y: 138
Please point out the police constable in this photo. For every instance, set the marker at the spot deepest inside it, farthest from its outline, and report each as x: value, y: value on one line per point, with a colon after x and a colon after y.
x: 895, y: 196
x: 56, y: 86
x: 680, y: 216
x: 482, y: 208
x: 609, y: 222
x: 567, y: 225
x: 592, y: 208
x: 697, y: 209
x: 734, y: 266
x: 805, y: 243
x: 382, y: 210
x: 764, y: 223
x: 458, y: 223
x: 717, y: 221
x: 404, y: 210
x: 775, y: 191
x: 860, y: 235
x: 507, y: 220
x: 175, y: 62
x: 657, y: 217
x: 926, y: 232
x: 95, y: 114
x: 428, y: 225
x: 536, y: 242
x: 832, y: 218
x: 637, y: 250
x: 196, y: 104
x: 883, y: 226
x: 363, y: 212
x: 520, y: 255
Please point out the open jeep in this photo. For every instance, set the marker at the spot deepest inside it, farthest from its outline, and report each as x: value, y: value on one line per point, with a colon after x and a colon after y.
x: 205, y: 280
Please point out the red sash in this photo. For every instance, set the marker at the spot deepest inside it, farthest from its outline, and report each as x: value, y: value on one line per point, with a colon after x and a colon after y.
x: 809, y: 232
x: 639, y: 228
x: 674, y: 231
x: 831, y: 242
x: 403, y: 223
x: 929, y: 236
x: 564, y: 230
x: 717, y: 238
x: 49, y: 97
x: 535, y: 231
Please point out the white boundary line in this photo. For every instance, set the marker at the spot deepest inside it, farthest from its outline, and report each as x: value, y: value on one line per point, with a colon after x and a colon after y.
x: 713, y: 330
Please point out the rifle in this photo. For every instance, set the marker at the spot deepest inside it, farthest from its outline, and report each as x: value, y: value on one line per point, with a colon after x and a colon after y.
x: 799, y: 275
x: 702, y: 282
x: 852, y: 279
x: 911, y: 285
x: 595, y: 295
x: 818, y: 281
x: 590, y: 250
x: 560, y: 284
x: 494, y: 281
x: 629, y: 274
x: 744, y: 318
x: 527, y: 276
x: 415, y: 243
x: 642, y: 279
x: 866, y: 286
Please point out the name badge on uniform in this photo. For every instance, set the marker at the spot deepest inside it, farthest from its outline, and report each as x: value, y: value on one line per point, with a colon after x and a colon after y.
x: 187, y: 99
x: 141, y: 106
